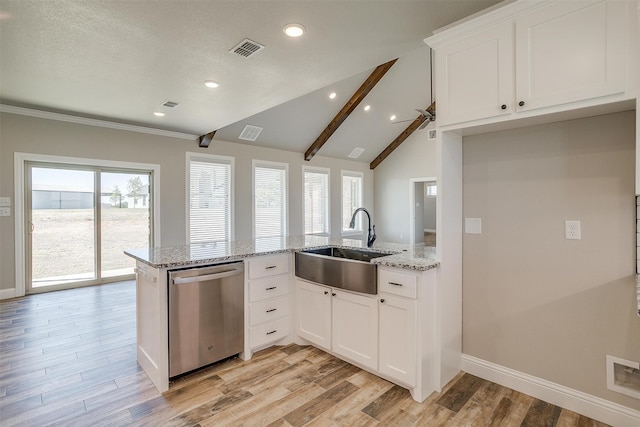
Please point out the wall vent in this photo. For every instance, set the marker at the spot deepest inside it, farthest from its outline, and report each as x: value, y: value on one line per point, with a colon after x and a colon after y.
x: 247, y: 48
x: 250, y: 133
x: 623, y: 376
x: 170, y: 104
x: 357, y: 152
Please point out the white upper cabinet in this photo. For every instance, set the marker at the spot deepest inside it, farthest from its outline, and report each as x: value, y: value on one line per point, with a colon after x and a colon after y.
x: 475, y: 76
x: 569, y: 51
x: 528, y: 56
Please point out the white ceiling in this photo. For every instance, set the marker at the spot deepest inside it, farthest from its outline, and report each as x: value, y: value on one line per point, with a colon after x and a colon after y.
x: 120, y: 60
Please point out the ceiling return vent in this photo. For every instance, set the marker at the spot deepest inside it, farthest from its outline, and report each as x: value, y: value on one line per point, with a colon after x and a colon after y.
x: 250, y: 133
x: 247, y: 48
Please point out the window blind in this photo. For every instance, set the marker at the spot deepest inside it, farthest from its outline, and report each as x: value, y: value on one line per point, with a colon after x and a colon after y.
x: 316, y: 202
x: 209, y: 200
x: 351, y: 199
x: 270, y: 200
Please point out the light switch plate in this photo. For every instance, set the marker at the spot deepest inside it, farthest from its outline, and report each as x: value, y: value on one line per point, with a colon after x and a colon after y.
x: 473, y: 225
x: 5, y: 201
x: 5, y: 211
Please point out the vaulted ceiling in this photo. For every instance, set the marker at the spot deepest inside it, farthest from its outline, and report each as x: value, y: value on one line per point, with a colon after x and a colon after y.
x: 121, y: 60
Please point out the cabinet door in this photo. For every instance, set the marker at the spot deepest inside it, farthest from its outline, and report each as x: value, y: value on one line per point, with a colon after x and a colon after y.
x: 354, y: 328
x: 398, y: 338
x: 314, y: 313
x: 570, y: 51
x: 474, y: 76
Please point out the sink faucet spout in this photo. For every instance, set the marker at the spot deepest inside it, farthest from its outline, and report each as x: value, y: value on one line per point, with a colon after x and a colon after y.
x: 371, y: 235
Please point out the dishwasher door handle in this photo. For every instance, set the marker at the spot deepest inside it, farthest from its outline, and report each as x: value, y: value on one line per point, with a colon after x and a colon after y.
x: 194, y: 279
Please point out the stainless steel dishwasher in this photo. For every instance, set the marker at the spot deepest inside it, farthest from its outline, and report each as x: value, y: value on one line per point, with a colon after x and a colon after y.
x: 206, y: 316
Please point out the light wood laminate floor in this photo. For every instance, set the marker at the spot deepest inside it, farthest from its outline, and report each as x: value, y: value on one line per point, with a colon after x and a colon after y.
x: 68, y: 359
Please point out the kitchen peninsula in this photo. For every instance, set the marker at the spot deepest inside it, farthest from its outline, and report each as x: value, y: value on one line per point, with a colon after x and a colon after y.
x: 413, y: 328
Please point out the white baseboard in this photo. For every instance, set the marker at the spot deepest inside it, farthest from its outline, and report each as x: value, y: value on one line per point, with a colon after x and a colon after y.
x: 7, y: 293
x: 559, y: 395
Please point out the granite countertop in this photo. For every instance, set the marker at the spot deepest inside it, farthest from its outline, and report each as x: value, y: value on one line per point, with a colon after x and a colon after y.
x: 418, y: 257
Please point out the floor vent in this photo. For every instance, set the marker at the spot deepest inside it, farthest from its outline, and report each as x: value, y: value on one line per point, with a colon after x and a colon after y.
x: 170, y: 104
x: 250, y: 133
x: 247, y: 48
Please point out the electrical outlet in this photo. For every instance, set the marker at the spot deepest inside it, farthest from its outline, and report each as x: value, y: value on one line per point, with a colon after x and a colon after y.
x: 5, y: 211
x: 5, y: 201
x: 572, y: 229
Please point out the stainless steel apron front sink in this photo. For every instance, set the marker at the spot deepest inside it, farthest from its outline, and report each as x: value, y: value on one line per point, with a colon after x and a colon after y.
x: 343, y: 268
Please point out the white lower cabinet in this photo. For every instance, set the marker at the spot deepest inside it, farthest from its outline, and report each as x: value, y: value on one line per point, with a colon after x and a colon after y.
x: 354, y: 327
x: 398, y: 337
x: 314, y: 313
x: 339, y: 321
x: 268, y: 303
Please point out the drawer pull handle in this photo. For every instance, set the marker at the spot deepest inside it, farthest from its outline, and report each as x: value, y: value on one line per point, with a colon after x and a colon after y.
x: 395, y: 284
x: 272, y: 332
x: 521, y: 103
x: 271, y: 310
x: 503, y: 107
x: 270, y: 267
x: 382, y: 300
x: 326, y: 292
x: 271, y: 288
x: 333, y: 293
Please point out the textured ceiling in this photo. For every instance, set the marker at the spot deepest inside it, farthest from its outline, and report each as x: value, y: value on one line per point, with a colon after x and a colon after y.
x: 120, y: 60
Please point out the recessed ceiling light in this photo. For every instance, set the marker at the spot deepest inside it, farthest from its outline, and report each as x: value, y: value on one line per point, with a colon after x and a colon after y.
x: 158, y: 114
x: 293, y: 30
x: 367, y: 107
x: 211, y: 84
x: 393, y: 117
x: 332, y: 95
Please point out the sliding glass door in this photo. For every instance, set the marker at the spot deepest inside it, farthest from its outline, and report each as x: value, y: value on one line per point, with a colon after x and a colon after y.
x: 80, y: 219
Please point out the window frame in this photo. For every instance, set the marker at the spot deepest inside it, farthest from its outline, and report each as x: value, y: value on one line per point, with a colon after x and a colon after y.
x: 359, y: 229
x: 285, y: 209
x: 327, y: 172
x: 210, y: 158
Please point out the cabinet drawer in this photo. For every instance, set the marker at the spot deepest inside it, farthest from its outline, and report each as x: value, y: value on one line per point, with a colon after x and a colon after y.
x: 268, y: 287
x: 263, y: 311
x: 268, y: 266
x: 268, y: 332
x: 398, y: 283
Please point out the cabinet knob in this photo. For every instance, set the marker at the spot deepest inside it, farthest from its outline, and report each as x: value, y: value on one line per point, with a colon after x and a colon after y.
x: 326, y: 292
x: 521, y: 103
x: 503, y: 107
x: 382, y: 300
x: 333, y: 293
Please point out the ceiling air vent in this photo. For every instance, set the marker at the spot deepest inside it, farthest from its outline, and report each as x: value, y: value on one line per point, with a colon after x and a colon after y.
x: 357, y: 152
x: 247, y: 48
x: 250, y: 133
x: 170, y: 104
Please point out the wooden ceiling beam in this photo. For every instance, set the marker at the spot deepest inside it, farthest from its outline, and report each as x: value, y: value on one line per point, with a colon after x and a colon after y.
x: 401, y: 138
x: 348, y: 108
x: 205, y: 140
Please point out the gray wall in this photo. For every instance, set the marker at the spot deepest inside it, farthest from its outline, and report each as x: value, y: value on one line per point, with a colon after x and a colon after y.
x: 41, y: 136
x: 429, y: 221
x: 415, y: 158
x: 533, y: 301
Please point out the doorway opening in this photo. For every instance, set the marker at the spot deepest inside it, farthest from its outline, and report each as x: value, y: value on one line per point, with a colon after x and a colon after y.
x: 422, y: 211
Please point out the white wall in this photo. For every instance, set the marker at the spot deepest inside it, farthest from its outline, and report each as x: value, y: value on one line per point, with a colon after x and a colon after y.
x: 42, y: 136
x: 415, y: 158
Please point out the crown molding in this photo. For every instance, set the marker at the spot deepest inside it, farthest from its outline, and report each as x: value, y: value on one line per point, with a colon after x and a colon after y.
x: 93, y: 122
x: 502, y: 12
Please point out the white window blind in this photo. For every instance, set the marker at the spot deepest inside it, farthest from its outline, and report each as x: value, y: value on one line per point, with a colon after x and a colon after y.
x: 270, y: 199
x: 209, y: 199
x: 316, y: 201
x: 351, y: 199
